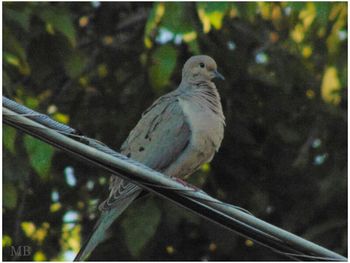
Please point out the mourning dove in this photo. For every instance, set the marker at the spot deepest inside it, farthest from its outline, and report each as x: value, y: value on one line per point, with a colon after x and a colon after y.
x: 176, y: 135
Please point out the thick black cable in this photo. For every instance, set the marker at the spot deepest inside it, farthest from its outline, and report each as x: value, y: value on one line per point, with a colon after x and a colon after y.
x: 199, y: 203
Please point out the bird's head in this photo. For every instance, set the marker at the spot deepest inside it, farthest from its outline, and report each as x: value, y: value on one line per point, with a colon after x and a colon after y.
x: 200, y: 68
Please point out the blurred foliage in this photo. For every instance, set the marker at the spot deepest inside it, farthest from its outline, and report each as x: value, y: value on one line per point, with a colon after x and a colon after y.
x: 98, y: 65
x: 136, y: 234
x: 39, y: 154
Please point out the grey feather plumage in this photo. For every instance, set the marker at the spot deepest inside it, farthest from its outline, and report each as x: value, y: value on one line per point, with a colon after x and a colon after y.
x: 176, y: 135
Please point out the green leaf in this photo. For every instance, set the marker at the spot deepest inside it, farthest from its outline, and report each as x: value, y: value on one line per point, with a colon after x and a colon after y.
x: 212, y: 7
x: 40, y: 155
x: 247, y: 10
x: 60, y: 19
x: 9, y: 137
x: 194, y: 47
x: 322, y: 10
x: 211, y: 14
x: 176, y: 18
x: 31, y: 102
x: 15, y: 167
x: 22, y: 17
x: 12, y: 59
x: 6, y: 241
x: 140, y: 224
x: 74, y: 64
x: 153, y: 20
x: 14, y: 53
x: 9, y: 195
x: 13, y: 45
x: 164, y: 62
x: 297, y: 6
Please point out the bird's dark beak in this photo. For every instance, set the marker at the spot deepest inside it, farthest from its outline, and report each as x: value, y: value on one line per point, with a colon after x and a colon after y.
x: 218, y: 75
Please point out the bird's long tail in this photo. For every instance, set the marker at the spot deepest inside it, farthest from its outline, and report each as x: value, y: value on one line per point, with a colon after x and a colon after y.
x: 106, y: 219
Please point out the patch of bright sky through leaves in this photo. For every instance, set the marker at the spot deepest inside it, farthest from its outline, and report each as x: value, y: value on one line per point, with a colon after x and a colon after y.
x: 261, y: 58
x: 164, y: 36
x: 70, y: 218
x: 320, y: 159
x: 231, y: 45
x: 95, y: 4
x: 55, y: 196
x: 343, y: 34
x: 69, y: 255
x: 90, y: 185
x: 69, y: 175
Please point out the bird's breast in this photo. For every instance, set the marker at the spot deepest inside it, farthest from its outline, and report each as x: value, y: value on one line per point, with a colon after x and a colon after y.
x: 207, y: 126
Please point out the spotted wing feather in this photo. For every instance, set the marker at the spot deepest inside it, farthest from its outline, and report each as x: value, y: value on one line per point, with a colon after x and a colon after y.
x: 157, y: 141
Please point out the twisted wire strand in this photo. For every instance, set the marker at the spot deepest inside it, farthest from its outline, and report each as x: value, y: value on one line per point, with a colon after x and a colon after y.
x: 184, y: 190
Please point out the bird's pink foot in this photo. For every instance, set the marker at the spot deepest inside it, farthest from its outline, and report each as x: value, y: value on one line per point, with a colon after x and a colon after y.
x: 184, y: 183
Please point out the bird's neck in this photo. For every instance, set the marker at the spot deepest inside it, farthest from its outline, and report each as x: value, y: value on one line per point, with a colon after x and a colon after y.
x: 205, y: 93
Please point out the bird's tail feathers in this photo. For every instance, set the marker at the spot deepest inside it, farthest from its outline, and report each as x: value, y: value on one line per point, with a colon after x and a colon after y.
x: 106, y: 219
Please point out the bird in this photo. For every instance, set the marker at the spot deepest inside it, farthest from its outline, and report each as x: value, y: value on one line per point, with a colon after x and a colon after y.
x: 176, y: 135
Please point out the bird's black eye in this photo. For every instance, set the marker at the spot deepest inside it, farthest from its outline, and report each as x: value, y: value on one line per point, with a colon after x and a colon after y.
x: 201, y: 65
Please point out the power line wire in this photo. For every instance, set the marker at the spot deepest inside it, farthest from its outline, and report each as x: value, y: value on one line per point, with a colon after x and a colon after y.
x: 191, y: 198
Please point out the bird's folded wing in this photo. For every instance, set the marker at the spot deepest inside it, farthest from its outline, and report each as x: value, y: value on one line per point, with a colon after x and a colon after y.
x: 158, y: 140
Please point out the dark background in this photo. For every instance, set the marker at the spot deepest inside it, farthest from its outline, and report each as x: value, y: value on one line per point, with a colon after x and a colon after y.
x: 97, y: 66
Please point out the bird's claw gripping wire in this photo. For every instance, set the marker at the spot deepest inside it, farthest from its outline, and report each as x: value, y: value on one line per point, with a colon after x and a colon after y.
x: 184, y: 183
